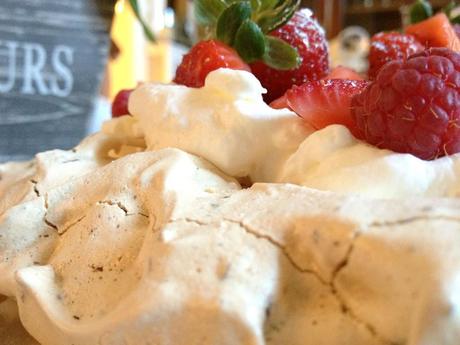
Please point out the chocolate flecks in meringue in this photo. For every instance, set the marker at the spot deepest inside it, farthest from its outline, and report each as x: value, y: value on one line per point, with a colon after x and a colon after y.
x: 70, y: 161
x: 97, y: 268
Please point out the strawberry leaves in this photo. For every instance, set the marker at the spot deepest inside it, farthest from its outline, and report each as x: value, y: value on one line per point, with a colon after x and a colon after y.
x: 420, y: 10
x: 271, y: 19
x: 250, y: 41
x: 207, y: 12
x: 280, y: 55
x: 231, y: 20
x: 245, y: 25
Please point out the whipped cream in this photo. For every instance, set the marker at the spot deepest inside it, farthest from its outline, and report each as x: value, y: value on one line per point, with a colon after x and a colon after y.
x: 332, y: 159
x: 227, y: 123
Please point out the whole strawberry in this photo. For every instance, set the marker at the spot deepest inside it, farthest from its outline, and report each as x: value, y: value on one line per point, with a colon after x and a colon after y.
x: 284, y: 46
x: 305, y: 34
x: 390, y: 46
x: 205, y: 57
x: 413, y: 106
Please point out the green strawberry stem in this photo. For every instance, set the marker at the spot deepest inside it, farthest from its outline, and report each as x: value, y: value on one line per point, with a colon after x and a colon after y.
x: 245, y: 25
x: 147, y: 31
x: 422, y: 9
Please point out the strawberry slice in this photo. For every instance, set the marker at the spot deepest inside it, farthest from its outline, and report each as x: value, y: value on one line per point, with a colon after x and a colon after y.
x: 205, y: 57
x: 325, y: 102
x: 280, y: 103
x: 436, y: 31
x: 342, y: 72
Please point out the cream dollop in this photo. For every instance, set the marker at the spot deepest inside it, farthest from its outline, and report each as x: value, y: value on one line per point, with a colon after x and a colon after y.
x: 332, y: 159
x: 225, y: 122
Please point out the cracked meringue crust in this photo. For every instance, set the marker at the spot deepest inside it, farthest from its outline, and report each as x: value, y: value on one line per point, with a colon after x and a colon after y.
x: 184, y: 255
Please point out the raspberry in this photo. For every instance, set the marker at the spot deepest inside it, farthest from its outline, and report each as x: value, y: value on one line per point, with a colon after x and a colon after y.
x: 305, y: 34
x: 390, y: 46
x: 413, y: 106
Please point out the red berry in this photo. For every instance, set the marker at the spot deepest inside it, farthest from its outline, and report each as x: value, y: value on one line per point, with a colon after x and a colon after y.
x: 342, y: 72
x: 205, y: 57
x: 413, y: 106
x: 120, y: 103
x: 280, y: 103
x: 325, y: 102
x: 390, y: 46
x: 436, y: 31
x: 305, y: 34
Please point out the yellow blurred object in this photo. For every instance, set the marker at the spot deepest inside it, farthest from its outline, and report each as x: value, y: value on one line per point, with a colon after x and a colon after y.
x: 139, y: 60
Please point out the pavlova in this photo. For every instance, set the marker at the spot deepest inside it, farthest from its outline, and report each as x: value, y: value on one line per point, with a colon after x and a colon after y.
x: 205, y: 216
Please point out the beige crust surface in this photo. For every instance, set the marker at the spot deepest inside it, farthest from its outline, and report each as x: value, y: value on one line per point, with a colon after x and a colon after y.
x: 163, y: 248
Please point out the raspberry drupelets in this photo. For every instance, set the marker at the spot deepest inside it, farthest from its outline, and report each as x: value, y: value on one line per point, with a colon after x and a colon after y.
x: 390, y: 46
x: 413, y: 106
x: 305, y: 34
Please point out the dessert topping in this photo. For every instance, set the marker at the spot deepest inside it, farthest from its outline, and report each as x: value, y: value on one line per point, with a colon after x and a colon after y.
x: 342, y: 72
x: 205, y: 57
x: 413, y: 106
x: 284, y: 47
x: 390, y: 46
x: 436, y: 31
x: 325, y: 102
x: 305, y: 34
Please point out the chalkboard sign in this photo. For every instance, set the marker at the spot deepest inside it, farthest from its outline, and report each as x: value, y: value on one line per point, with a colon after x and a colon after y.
x: 52, y: 58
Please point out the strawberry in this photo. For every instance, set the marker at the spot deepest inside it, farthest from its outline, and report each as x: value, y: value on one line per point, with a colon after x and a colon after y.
x: 389, y: 46
x: 120, y: 103
x: 341, y: 72
x: 325, y: 102
x: 413, y: 105
x: 205, y: 57
x: 435, y: 31
x: 280, y: 103
x: 305, y: 34
x: 282, y: 45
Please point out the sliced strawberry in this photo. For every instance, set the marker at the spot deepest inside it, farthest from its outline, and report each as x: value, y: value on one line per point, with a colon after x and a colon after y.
x: 280, y: 103
x: 120, y: 103
x: 205, y: 57
x: 436, y: 31
x: 325, y: 102
x: 342, y: 72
